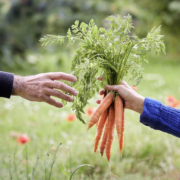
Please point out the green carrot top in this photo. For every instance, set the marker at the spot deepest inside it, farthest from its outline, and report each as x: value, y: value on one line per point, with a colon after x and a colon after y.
x: 112, y: 51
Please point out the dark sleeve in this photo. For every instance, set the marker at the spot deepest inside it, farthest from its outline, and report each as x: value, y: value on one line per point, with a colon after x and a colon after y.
x: 161, y: 117
x: 6, y: 84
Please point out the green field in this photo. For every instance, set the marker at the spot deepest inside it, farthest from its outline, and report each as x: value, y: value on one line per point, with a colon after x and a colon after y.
x: 147, y: 154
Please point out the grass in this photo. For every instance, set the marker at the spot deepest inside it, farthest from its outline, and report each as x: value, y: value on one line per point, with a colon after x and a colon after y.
x: 147, y: 154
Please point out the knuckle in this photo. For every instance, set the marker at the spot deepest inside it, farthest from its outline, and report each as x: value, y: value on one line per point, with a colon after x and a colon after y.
x: 70, y: 98
x: 57, y: 105
x: 36, y: 96
x: 60, y: 75
x: 116, y: 88
x: 62, y: 84
x: 49, y: 101
x: 67, y: 98
x: 124, y: 82
x: 41, y: 94
x: 58, y: 94
x: 45, y: 83
x: 46, y: 74
x: 70, y: 90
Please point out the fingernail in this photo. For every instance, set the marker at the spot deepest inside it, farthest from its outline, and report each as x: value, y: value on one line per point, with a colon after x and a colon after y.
x: 71, y: 99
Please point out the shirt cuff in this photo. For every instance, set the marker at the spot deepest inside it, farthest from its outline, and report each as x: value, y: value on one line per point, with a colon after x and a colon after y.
x: 6, y: 84
x: 151, y: 111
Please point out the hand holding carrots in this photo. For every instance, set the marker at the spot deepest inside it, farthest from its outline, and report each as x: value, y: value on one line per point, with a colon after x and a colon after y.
x: 132, y: 100
x: 110, y: 114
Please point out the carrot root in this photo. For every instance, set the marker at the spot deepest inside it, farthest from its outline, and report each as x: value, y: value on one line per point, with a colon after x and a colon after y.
x: 104, y: 138
x: 100, y: 127
x: 106, y: 102
x: 122, y: 133
x: 118, y: 105
x: 111, y: 124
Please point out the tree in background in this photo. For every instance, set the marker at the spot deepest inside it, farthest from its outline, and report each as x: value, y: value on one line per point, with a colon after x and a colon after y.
x: 26, y: 21
x: 152, y: 12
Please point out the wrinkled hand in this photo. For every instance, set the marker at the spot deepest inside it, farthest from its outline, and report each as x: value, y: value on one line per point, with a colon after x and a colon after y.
x: 41, y: 87
x: 132, y: 100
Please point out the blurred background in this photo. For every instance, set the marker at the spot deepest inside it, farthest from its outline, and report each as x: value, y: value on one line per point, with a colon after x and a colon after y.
x: 148, y: 154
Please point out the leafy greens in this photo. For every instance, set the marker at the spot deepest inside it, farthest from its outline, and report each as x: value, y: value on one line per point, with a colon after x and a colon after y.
x: 112, y: 51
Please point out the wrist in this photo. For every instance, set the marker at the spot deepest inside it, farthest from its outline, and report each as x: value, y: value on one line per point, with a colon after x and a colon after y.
x: 17, y: 85
x: 139, y: 104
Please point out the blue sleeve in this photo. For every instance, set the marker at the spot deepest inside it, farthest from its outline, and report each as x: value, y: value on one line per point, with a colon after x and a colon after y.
x: 161, y: 117
x: 6, y: 84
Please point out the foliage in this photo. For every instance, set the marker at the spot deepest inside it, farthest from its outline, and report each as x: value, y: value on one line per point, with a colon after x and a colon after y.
x: 113, y: 52
x: 148, y: 13
x: 24, y: 22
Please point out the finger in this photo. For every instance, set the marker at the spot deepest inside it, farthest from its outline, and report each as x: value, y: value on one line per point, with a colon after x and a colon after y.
x: 62, y: 86
x: 112, y: 87
x: 124, y: 82
x: 101, y: 92
x: 63, y: 76
x: 53, y: 102
x: 58, y: 94
x: 100, y: 78
x: 98, y: 101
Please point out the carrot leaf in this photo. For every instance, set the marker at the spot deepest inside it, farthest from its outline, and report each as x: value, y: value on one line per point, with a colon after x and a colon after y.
x: 113, y: 52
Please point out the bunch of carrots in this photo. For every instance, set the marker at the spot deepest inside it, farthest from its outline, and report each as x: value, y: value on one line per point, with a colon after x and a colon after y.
x: 109, y: 113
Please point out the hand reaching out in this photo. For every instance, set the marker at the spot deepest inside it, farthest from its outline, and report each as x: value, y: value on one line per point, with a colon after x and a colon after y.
x: 132, y: 100
x: 41, y: 87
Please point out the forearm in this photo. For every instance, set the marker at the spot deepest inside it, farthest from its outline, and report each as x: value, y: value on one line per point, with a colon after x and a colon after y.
x: 161, y: 117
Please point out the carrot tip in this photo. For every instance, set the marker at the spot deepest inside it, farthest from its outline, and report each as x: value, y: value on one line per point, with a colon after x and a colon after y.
x: 121, y: 154
x: 84, y: 136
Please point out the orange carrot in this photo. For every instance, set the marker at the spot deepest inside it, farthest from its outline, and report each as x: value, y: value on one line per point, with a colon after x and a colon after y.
x: 111, y: 124
x: 104, y: 138
x: 122, y: 132
x: 101, y: 102
x: 100, y: 127
x: 106, y: 102
x: 97, y: 124
x: 118, y: 106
